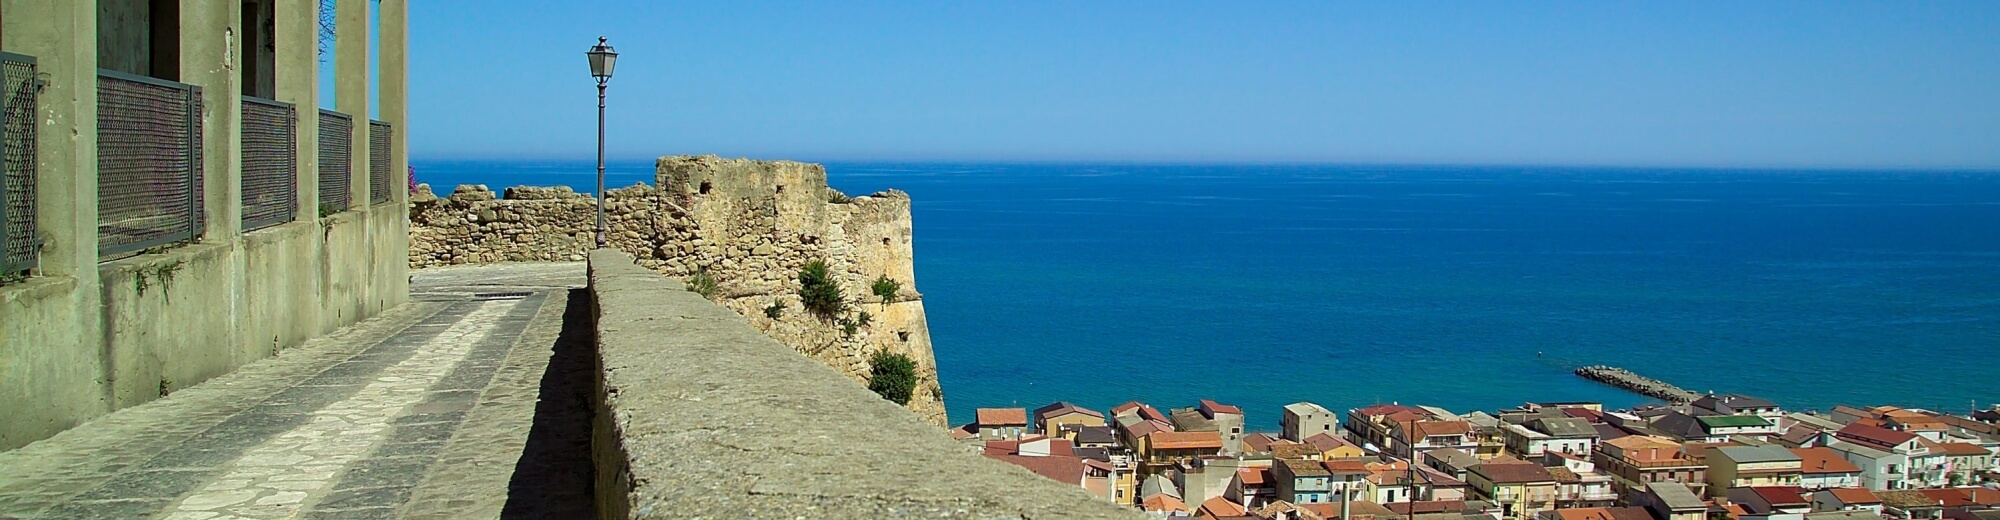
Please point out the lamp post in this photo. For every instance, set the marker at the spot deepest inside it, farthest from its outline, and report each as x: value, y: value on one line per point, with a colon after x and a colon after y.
x: 602, y: 60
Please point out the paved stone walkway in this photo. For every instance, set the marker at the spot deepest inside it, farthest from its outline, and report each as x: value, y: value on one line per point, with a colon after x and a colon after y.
x: 435, y: 409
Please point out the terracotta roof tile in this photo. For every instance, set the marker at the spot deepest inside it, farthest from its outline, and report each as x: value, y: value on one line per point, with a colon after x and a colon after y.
x: 1219, y: 506
x: 1604, y: 513
x: 1780, y: 496
x: 1164, y: 440
x: 1294, y: 451
x: 1253, y: 476
x: 1513, y: 473
x: 1258, y: 442
x: 1327, y: 442
x: 1214, y: 407
x: 1163, y: 503
x: 1823, y: 461
x: 1002, y: 416
x: 1346, y: 467
x: 1960, y: 449
x: 1875, y: 435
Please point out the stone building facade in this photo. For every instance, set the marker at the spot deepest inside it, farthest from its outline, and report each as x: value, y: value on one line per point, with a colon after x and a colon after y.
x: 748, y: 225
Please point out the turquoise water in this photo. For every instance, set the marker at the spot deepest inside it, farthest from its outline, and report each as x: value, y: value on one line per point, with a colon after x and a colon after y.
x: 1460, y: 287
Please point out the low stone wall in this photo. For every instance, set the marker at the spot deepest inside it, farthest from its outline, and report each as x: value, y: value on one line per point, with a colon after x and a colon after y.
x: 748, y: 225
x: 701, y: 415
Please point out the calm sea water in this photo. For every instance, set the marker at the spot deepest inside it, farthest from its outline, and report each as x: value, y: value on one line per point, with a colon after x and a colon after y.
x: 1462, y: 287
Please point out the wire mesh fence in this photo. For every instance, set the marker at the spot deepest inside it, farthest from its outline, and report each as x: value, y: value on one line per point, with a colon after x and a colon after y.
x: 19, y: 248
x: 270, y: 163
x: 378, y: 162
x: 336, y: 161
x: 148, y: 163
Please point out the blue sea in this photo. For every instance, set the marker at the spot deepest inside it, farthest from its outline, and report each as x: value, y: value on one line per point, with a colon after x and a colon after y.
x: 1461, y: 287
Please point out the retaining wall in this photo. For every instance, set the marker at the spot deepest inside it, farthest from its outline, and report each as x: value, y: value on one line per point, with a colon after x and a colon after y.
x: 698, y: 414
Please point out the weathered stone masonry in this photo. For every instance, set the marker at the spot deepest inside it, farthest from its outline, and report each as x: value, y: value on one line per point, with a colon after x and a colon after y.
x: 751, y: 225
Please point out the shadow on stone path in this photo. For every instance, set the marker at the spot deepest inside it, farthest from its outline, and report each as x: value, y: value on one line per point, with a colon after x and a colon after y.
x: 555, y: 477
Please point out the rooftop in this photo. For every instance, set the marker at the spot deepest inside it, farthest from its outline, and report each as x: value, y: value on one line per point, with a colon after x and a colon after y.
x: 1852, y: 496
x: 1755, y: 454
x: 1676, y: 496
x: 1002, y: 416
x: 1164, y: 440
x: 1823, y: 461
x: 1733, y: 421
x: 1513, y: 472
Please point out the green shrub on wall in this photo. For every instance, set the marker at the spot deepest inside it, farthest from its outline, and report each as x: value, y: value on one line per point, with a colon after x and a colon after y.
x: 886, y: 288
x: 818, y: 292
x: 702, y: 283
x: 892, y: 376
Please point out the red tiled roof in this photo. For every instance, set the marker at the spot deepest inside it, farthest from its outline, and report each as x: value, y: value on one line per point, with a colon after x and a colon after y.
x: 1513, y: 473
x: 1215, y: 407
x: 1434, y: 428
x: 1067, y: 470
x: 1823, y: 461
x: 1428, y: 506
x: 1351, y: 467
x: 1878, y: 436
x: 1258, y: 442
x: 1780, y: 496
x: 1003, y: 416
x: 1853, y: 496
x: 1253, y: 476
x: 1386, y: 409
x: 1326, y: 442
x: 1584, y: 413
x: 1163, y: 503
x: 1144, y: 428
x: 1219, y: 506
x: 1604, y: 513
x: 1184, y: 440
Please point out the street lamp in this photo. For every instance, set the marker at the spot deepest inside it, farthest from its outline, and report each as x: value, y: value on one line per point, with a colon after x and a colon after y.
x: 602, y: 60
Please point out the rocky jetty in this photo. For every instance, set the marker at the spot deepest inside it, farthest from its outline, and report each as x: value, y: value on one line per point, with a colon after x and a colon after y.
x: 1636, y: 383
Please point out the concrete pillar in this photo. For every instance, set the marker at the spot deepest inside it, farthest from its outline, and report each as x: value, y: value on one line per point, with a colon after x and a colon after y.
x: 298, y: 84
x: 395, y: 91
x: 66, y: 185
x: 51, y: 370
x: 211, y: 50
x: 350, y: 94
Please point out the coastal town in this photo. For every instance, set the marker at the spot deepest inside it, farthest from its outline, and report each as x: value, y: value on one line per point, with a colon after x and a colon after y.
x: 1706, y: 457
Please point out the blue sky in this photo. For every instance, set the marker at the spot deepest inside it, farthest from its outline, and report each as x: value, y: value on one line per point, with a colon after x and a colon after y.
x: 1728, y: 84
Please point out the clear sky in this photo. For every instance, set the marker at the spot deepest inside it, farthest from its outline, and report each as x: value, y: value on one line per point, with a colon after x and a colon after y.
x: 1751, y: 84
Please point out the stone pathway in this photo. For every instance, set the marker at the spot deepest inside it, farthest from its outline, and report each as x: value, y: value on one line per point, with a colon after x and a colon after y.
x: 423, y: 412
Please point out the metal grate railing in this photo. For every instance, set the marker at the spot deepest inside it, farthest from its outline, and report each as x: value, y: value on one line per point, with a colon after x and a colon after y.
x: 270, y: 163
x: 378, y: 161
x: 19, y: 91
x: 148, y: 163
x: 336, y: 162
x: 19, y: 248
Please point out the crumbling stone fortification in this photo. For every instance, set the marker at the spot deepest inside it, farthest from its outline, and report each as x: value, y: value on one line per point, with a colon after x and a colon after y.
x: 748, y: 225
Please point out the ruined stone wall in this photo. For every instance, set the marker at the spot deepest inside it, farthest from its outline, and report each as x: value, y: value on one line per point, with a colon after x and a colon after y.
x: 749, y: 225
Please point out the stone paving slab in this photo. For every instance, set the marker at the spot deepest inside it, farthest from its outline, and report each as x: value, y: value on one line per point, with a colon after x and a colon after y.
x: 393, y: 417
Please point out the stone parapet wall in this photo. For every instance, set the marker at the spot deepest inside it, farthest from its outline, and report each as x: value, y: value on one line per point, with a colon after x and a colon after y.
x: 749, y: 225
x: 700, y: 415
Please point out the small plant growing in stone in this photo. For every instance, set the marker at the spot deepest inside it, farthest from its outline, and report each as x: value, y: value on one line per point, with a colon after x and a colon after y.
x: 327, y: 209
x: 776, y: 310
x: 166, y: 386
x: 702, y: 283
x: 818, y: 292
x: 886, y: 288
x: 892, y: 376
x: 836, y: 197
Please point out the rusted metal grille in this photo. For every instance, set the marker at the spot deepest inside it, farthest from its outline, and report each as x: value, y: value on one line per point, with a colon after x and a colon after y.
x: 336, y: 161
x: 19, y: 89
x: 270, y: 163
x: 378, y: 162
x: 148, y: 163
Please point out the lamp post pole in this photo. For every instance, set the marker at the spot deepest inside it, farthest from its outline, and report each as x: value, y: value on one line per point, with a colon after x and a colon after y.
x: 602, y: 60
x: 600, y: 162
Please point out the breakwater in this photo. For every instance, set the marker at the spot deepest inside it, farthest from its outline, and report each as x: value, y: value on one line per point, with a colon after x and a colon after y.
x: 1636, y: 383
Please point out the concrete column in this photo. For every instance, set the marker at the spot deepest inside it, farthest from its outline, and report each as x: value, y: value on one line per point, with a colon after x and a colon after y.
x: 350, y: 94
x: 211, y: 52
x: 62, y: 36
x: 298, y: 84
x: 395, y: 91
x: 52, y: 375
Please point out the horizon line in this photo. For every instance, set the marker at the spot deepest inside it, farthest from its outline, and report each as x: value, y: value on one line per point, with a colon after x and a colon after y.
x: 1169, y: 162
